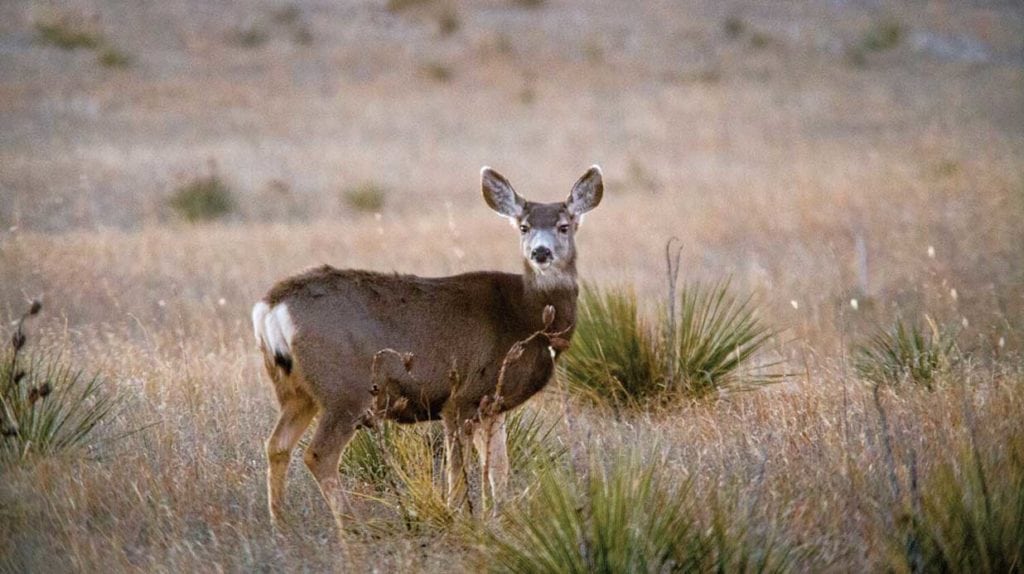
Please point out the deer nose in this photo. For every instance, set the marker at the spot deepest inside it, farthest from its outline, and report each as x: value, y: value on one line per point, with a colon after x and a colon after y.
x: 541, y: 255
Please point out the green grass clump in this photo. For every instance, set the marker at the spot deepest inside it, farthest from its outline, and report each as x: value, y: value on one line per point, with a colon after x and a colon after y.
x: 368, y: 198
x: 65, y: 34
x: 46, y: 407
x: 252, y: 36
x: 907, y: 353
x: 626, y: 517
x: 202, y: 199
x: 439, y: 72
x: 400, y: 464
x: 970, y: 515
x: 110, y: 57
x: 693, y: 350
x: 615, y: 354
x: 883, y: 35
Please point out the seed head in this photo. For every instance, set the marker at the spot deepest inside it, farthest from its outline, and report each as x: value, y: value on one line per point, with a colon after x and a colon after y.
x: 45, y: 390
x: 18, y: 340
x: 35, y: 307
x: 19, y: 376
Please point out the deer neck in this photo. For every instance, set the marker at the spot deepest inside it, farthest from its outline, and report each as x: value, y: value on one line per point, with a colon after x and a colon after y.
x: 559, y: 290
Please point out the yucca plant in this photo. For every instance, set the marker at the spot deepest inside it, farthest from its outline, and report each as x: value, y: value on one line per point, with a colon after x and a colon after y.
x: 715, y: 335
x: 627, y: 517
x: 699, y: 344
x: 615, y: 353
x: 970, y: 517
x: 906, y: 352
x: 47, y: 406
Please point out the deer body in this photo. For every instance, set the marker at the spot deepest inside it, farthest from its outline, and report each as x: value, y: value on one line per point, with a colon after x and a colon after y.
x: 321, y: 330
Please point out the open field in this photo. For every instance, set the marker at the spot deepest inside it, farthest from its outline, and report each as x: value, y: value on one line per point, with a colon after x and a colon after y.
x: 814, y: 152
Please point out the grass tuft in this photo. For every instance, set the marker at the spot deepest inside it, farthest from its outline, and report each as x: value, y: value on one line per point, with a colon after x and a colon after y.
x: 615, y: 355
x: 439, y: 72
x: 46, y: 407
x: 969, y: 517
x: 67, y: 35
x: 448, y: 22
x: 716, y: 335
x: 368, y: 197
x: 203, y: 199
x: 884, y: 35
x: 627, y: 517
x: 907, y: 353
x: 733, y: 26
x: 619, y: 357
x: 253, y: 36
x: 111, y: 57
x: 399, y: 463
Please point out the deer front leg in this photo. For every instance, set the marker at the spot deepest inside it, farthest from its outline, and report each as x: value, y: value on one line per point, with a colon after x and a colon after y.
x: 490, y: 438
x: 455, y: 454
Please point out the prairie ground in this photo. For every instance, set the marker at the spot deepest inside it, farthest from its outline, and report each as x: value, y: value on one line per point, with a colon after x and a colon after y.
x: 845, y: 162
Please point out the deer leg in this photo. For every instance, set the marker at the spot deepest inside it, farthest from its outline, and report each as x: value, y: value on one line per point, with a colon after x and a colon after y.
x: 489, y: 438
x: 296, y: 412
x: 455, y: 455
x: 332, y: 434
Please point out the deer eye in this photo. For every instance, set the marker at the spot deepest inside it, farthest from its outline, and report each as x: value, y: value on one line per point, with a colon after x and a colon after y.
x: 524, y: 228
x: 563, y: 228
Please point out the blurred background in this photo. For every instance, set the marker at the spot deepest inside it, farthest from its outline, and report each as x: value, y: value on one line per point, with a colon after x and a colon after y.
x: 820, y: 150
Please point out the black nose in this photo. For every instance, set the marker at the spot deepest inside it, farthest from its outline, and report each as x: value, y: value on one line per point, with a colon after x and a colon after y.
x: 541, y: 254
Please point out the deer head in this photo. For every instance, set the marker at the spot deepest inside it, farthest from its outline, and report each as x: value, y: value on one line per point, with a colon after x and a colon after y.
x: 547, y: 230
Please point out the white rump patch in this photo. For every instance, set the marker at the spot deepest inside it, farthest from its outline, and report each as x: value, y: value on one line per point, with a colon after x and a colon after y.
x: 273, y: 327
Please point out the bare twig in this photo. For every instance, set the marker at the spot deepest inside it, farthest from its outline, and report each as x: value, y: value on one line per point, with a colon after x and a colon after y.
x: 672, y: 272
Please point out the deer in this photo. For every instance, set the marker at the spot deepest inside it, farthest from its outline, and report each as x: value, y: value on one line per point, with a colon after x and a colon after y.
x: 321, y: 334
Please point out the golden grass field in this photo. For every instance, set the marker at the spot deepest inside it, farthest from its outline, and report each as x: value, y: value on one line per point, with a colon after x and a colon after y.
x: 810, y: 173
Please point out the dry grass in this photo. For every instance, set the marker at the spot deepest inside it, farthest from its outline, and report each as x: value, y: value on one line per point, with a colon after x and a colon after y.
x: 812, y: 184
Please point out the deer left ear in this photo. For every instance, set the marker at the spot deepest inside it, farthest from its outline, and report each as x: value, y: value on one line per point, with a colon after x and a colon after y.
x: 586, y: 192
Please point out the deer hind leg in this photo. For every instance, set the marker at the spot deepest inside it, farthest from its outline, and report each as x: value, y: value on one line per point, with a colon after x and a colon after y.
x: 489, y: 438
x: 332, y: 434
x: 297, y: 410
x: 455, y: 455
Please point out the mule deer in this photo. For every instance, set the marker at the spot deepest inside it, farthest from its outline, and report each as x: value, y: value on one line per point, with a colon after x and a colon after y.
x: 321, y: 330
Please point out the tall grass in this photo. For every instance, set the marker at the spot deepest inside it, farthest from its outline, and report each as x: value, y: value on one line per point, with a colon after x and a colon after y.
x: 969, y: 516
x: 401, y: 464
x: 628, y: 516
x: 694, y: 348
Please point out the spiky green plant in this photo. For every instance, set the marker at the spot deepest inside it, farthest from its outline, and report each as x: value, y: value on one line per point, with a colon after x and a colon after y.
x: 698, y: 347
x: 970, y: 516
x: 47, y: 406
x: 716, y: 335
x: 532, y: 444
x: 627, y: 517
x: 615, y: 354
x: 906, y: 352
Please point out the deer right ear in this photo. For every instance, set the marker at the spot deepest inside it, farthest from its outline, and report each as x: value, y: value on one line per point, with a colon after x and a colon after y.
x: 499, y: 195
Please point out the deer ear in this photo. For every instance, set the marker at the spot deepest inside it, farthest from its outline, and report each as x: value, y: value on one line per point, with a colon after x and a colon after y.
x: 586, y: 192
x: 499, y: 195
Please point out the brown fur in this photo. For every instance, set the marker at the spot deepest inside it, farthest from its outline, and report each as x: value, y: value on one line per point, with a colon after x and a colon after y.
x: 458, y: 329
